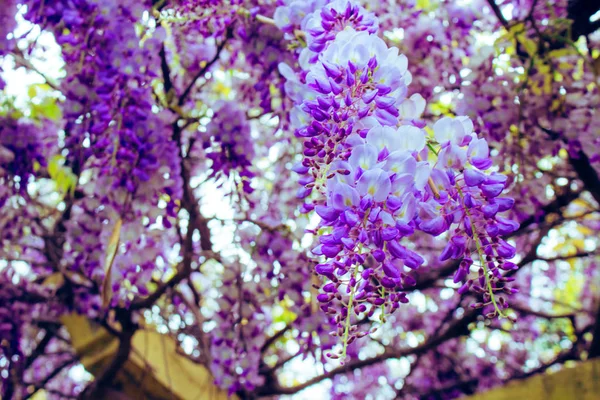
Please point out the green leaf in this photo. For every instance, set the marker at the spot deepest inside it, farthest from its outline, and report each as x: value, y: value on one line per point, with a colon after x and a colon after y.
x: 63, y: 176
x: 46, y: 109
x: 31, y: 91
x: 422, y: 4
x: 529, y: 44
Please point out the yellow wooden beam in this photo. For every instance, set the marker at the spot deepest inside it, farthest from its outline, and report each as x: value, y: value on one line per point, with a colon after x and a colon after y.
x: 154, y: 369
x: 581, y: 382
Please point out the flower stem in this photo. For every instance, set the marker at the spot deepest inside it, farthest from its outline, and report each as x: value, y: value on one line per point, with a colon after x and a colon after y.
x: 265, y: 20
x: 430, y: 181
x: 347, y: 327
x: 482, y: 258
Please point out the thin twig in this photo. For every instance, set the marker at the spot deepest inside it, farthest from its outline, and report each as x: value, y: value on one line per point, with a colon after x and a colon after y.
x: 498, y: 13
x: 205, y: 69
x: 20, y: 59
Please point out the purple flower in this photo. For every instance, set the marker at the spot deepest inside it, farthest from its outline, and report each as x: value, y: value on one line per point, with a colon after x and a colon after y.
x: 376, y: 183
x: 343, y: 196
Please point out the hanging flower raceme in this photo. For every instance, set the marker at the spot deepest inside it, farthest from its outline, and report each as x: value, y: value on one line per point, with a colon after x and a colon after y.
x: 23, y: 144
x: 374, y: 176
x: 322, y: 26
x: 229, y: 145
x: 473, y: 205
x: 235, y: 348
x: 109, y: 106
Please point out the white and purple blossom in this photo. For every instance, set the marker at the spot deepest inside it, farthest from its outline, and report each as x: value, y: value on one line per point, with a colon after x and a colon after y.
x: 376, y: 177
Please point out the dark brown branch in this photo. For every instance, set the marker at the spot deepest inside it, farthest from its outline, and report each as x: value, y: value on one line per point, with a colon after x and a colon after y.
x: 104, y: 380
x: 571, y: 354
x: 197, y: 222
x: 498, y: 13
x: 20, y: 60
x: 581, y: 164
x: 189, y: 203
x: 39, y: 349
x: 526, y: 310
x: 274, y: 338
x: 164, y: 66
x: 428, y: 280
x: 157, y: 294
x: 49, y: 377
x: 583, y: 254
x: 586, y: 173
x: 565, y: 356
x: 561, y: 201
x: 413, y: 368
x: 205, y: 69
x: 270, y: 370
x: 456, y: 329
x: 594, y: 350
x: 580, y: 12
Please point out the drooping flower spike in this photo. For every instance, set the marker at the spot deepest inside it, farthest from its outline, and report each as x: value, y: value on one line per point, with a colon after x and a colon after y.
x: 375, y: 177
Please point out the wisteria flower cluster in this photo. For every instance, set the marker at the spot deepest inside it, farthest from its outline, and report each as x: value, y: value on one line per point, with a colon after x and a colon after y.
x: 241, y: 316
x: 109, y: 107
x: 374, y: 176
x: 228, y: 144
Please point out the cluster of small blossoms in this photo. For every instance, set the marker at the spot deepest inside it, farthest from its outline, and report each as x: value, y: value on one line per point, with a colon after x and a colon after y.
x: 238, y: 339
x: 113, y: 134
x: 8, y: 24
x: 468, y: 200
x: 290, y: 16
x: 366, y: 174
x: 109, y: 99
x: 10, y: 331
x: 25, y: 147
x: 229, y: 145
x: 21, y: 301
x: 193, y: 50
x: 322, y: 27
x: 211, y: 18
x: 23, y: 144
x: 201, y: 28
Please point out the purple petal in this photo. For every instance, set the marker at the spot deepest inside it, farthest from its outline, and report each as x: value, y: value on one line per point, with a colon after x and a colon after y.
x: 327, y: 213
x: 391, y: 270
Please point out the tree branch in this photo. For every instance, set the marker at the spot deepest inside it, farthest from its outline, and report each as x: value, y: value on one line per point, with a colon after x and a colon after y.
x: 164, y: 66
x: 21, y: 60
x: 582, y: 254
x: 581, y: 164
x: 498, y: 13
x: 555, y: 206
x: 106, y: 377
x: 205, y: 69
x: 39, y: 349
x: 594, y: 350
x: 274, y: 338
x: 526, y: 310
x: 456, y: 329
x: 50, y: 376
